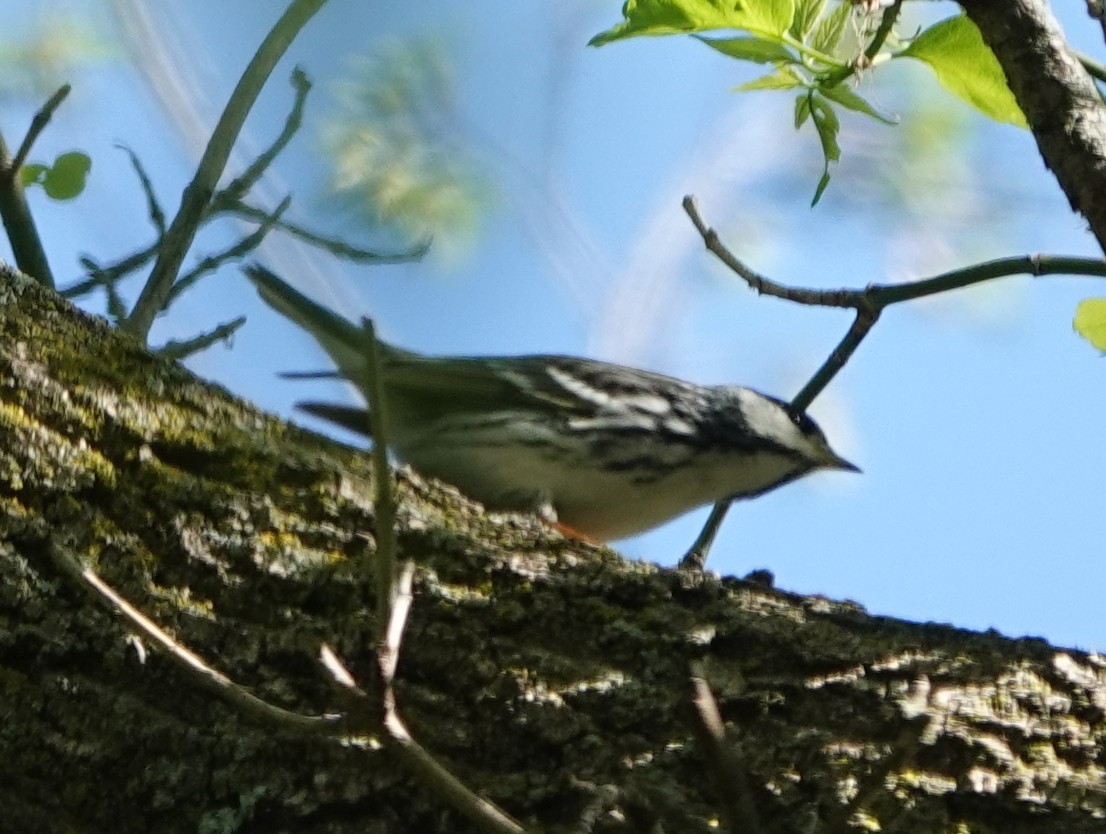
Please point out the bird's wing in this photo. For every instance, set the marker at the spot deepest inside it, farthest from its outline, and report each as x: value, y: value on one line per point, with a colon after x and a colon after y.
x: 349, y: 417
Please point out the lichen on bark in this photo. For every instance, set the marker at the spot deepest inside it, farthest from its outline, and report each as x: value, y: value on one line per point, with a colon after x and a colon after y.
x: 551, y: 676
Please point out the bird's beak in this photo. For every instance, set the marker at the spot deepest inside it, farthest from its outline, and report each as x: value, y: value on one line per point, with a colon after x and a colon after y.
x: 835, y: 461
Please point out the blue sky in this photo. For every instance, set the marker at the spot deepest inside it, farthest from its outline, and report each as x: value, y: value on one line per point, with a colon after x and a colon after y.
x: 976, y: 417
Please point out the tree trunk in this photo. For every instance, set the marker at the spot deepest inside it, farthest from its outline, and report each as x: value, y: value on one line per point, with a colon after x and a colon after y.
x: 551, y: 677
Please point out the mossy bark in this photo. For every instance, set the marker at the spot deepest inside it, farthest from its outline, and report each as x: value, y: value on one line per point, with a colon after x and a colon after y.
x: 551, y: 676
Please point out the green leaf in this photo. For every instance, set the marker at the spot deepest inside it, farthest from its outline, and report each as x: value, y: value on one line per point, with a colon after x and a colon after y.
x: 828, y: 125
x: 667, y: 17
x: 1090, y: 321
x: 825, y: 119
x: 32, y: 173
x: 823, y: 181
x: 807, y: 13
x: 756, y: 49
x: 844, y: 95
x: 967, y: 68
x: 784, y: 78
x: 831, y: 29
x: 773, y: 17
x: 802, y: 108
x: 63, y: 180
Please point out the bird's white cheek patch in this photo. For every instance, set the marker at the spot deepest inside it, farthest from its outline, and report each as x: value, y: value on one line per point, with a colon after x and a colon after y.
x: 766, y: 419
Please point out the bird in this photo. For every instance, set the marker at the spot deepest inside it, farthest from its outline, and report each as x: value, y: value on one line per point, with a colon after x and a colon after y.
x: 600, y: 450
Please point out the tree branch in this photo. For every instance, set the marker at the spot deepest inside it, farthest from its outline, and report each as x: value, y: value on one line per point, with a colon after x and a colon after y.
x: 869, y: 304
x: 199, y: 192
x: 26, y: 244
x: 1057, y: 96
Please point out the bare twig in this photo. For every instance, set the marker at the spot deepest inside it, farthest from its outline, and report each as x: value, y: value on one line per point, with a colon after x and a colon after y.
x: 883, y: 295
x: 869, y: 304
x: 103, y: 276
x: 240, y: 249
x: 394, y: 596
x: 153, y: 207
x: 229, y: 201
x: 178, y: 350
x: 739, y: 812
x: 191, y: 663
x: 238, y: 187
x: 485, y: 814
x: 886, y: 24
x: 199, y: 192
x: 335, y: 247
x: 865, y: 320
x: 385, y: 504
x: 1094, y: 67
x: 38, y: 124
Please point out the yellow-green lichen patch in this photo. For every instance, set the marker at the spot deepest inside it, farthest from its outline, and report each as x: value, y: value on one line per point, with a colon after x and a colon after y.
x: 48, y: 458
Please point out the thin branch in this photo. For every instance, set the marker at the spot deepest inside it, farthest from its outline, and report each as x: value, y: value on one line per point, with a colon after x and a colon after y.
x: 102, y: 276
x: 388, y: 653
x: 241, y: 184
x: 30, y: 256
x: 385, y: 502
x: 240, y: 249
x: 695, y: 559
x: 869, y: 303
x: 38, y: 124
x: 739, y: 812
x: 865, y: 320
x: 230, y: 201
x: 763, y: 285
x: 886, y: 24
x: 153, y: 207
x: 1096, y: 69
x: 187, y: 660
x: 183, y: 349
x: 878, y: 296
x: 485, y: 814
x: 199, y: 192
x: 394, y: 596
x: 334, y: 246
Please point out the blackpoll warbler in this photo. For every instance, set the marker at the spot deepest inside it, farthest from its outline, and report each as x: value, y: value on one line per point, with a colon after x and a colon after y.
x: 603, y: 450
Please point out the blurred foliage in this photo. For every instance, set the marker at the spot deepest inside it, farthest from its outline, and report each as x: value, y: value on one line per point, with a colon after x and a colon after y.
x: 397, y: 150
x: 47, y: 53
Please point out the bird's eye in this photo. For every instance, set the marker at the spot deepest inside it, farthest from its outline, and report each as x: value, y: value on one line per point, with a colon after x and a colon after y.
x: 805, y: 424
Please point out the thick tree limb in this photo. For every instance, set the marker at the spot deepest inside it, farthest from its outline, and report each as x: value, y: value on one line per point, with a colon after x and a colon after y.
x: 1057, y: 95
x: 547, y: 675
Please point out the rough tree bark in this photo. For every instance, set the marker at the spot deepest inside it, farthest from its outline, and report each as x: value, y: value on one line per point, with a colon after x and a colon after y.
x: 551, y: 676
x: 1058, y: 97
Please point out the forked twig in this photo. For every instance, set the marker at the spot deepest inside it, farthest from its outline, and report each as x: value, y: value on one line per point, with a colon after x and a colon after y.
x: 868, y: 303
x: 197, y: 196
x: 188, y: 660
x: 394, y: 597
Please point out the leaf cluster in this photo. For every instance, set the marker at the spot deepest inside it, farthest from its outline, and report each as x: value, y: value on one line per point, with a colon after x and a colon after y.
x: 808, y: 45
